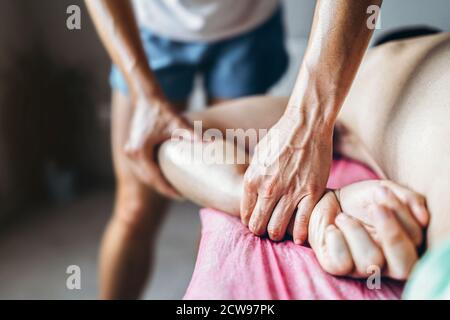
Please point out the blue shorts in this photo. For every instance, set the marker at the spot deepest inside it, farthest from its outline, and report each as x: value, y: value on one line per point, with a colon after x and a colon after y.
x: 247, y: 64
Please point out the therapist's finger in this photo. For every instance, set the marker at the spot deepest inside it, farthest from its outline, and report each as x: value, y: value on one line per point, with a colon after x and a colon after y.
x: 399, y: 250
x: 403, y: 213
x: 261, y: 215
x: 248, y: 202
x: 364, y: 250
x: 290, y: 228
x: 281, y: 216
x: 305, y: 208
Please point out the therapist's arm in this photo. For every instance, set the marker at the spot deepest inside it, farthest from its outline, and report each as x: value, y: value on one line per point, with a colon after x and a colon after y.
x: 289, y: 170
x: 154, y: 119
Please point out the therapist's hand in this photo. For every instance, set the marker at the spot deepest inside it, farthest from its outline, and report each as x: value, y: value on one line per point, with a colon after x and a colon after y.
x: 293, y: 172
x: 287, y: 174
x: 154, y: 121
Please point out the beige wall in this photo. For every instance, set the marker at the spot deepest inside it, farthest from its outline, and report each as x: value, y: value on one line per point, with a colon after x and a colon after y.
x: 395, y: 13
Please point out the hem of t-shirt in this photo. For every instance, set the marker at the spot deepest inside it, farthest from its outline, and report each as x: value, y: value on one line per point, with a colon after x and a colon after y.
x: 213, y: 37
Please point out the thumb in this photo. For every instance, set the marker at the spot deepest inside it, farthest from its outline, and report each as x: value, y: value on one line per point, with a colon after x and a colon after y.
x: 304, y: 210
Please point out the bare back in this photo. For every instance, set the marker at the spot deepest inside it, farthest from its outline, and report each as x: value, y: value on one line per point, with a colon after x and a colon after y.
x: 399, y: 106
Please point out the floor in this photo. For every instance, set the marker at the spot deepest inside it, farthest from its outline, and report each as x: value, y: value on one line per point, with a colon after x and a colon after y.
x: 36, y: 251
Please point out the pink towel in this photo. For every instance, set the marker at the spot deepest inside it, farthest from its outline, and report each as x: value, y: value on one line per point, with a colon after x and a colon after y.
x: 234, y: 264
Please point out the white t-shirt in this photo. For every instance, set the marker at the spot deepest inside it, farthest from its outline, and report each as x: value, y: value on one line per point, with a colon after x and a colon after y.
x: 202, y: 20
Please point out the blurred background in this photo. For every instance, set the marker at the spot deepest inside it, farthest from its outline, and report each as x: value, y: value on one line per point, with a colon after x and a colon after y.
x: 56, y: 181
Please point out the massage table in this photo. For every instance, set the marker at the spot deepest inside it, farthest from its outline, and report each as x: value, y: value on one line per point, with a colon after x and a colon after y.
x: 232, y: 263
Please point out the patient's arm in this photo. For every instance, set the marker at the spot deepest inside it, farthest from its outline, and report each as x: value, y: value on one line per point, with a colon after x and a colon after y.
x: 376, y: 224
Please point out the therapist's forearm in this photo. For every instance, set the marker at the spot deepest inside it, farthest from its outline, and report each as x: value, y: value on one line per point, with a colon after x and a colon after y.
x: 339, y: 38
x: 116, y: 25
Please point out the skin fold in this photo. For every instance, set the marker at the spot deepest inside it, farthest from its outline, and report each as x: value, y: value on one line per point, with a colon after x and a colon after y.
x: 375, y: 222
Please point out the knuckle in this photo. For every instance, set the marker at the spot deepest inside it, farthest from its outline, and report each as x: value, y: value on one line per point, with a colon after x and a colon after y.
x: 248, y: 187
x: 268, y: 193
x: 250, y: 182
x: 314, y: 189
x: 248, y: 175
x: 308, y: 190
x: 270, y: 190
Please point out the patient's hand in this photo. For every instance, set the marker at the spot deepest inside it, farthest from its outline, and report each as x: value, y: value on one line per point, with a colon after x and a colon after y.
x: 366, y: 224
